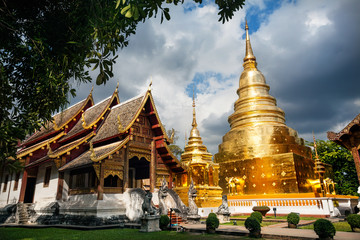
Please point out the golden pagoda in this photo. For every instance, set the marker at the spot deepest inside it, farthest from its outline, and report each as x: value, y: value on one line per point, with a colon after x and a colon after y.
x: 200, y: 169
x: 260, y: 154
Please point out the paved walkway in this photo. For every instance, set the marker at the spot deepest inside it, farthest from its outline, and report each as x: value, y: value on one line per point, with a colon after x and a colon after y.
x: 271, y: 232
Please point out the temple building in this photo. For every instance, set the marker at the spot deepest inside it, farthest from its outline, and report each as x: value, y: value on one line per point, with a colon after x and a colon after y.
x: 200, y: 169
x: 349, y: 138
x: 260, y: 154
x: 90, y: 154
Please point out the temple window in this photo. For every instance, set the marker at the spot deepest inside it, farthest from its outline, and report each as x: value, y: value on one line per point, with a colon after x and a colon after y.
x: 112, y: 181
x: 82, y: 178
x: 47, y: 176
x: 5, y: 183
x: 16, y: 184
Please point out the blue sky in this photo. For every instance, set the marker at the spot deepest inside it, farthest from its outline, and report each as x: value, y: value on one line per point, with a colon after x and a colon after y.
x: 307, y: 50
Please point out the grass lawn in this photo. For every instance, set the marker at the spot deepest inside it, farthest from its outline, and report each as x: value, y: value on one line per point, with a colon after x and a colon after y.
x: 339, y: 226
x: 118, y: 234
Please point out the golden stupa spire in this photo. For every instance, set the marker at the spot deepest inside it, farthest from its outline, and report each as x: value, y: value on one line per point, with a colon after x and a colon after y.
x: 195, y: 151
x: 194, y: 131
x: 315, y: 147
x: 250, y: 59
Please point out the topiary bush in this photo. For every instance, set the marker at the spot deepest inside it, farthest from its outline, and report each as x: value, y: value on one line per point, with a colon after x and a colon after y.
x: 262, y: 209
x: 293, y: 218
x: 353, y: 220
x: 164, y: 222
x: 212, y: 222
x: 324, y: 228
x: 257, y: 216
x: 252, y: 224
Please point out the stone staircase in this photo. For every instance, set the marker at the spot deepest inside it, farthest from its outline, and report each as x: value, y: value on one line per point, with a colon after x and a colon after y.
x: 23, y: 212
x: 175, y: 219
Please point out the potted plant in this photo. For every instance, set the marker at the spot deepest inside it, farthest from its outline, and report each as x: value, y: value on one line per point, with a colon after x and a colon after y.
x: 253, y: 225
x: 293, y: 220
x: 164, y: 222
x: 262, y: 209
x: 354, y: 222
x: 324, y: 229
x: 212, y: 222
x: 257, y: 215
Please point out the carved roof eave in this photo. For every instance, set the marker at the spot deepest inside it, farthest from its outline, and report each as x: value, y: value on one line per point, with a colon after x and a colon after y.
x: 89, y: 98
x: 147, y: 96
x: 174, y: 158
x: 39, y: 145
x: 107, y: 108
x: 86, y: 138
x: 346, y: 130
x: 57, y: 128
x: 157, y: 116
x: 101, y: 157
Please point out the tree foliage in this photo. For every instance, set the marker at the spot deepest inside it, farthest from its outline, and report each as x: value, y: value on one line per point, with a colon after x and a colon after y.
x: 175, y: 149
x: 343, y: 166
x: 44, y: 44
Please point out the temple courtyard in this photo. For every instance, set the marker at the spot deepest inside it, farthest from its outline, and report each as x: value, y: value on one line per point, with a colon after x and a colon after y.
x: 269, y: 230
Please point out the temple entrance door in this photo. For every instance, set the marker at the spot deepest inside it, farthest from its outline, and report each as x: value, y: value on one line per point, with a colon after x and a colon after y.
x: 30, y: 190
x: 139, y: 172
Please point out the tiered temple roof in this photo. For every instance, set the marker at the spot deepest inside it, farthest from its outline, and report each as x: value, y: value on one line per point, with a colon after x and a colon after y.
x: 86, y: 133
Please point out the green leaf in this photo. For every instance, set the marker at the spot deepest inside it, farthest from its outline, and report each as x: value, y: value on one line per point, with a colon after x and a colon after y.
x: 93, y: 60
x: 125, y: 9
x: 129, y: 14
x: 117, y: 4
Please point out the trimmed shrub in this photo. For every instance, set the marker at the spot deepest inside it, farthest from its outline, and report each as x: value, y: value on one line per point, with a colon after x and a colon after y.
x: 257, y: 216
x: 324, y: 228
x: 212, y: 222
x: 164, y: 221
x: 253, y: 225
x: 262, y: 209
x: 293, y: 218
x: 353, y: 220
x: 256, y: 208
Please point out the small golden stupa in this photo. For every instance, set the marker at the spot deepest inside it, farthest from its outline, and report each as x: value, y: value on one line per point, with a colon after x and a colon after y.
x: 200, y: 169
x: 260, y: 154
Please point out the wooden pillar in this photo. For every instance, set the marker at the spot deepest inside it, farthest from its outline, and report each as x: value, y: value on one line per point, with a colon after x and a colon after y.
x: 355, y: 154
x: 153, y: 167
x: 24, y: 182
x: 100, y: 187
x: 60, y: 186
x: 126, y: 167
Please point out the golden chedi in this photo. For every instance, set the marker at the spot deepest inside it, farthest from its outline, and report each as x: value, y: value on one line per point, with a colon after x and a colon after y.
x: 260, y: 154
x: 200, y: 169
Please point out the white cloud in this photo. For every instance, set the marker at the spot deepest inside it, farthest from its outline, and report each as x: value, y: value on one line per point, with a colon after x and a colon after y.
x: 194, y: 42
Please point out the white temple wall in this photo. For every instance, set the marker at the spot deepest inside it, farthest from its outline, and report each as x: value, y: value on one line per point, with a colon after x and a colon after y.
x: 45, y: 194
x: 10, y: 195
x: 65, y: 192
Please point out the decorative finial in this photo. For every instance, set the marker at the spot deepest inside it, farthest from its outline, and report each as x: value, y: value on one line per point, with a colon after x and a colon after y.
x: 117, y: 86
x: 194, y: 124
x: 150, y: 83
x: 249, y: 55
x: 55, y: 125
x: 83, y: 120
x: 92, y: 89
x: 49, y: 147
x: 92, y: 155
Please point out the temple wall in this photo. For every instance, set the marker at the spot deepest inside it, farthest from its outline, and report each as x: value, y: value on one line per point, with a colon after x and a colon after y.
x: 45, y: 194
x: 322, y: 207
x: 13, y: 196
